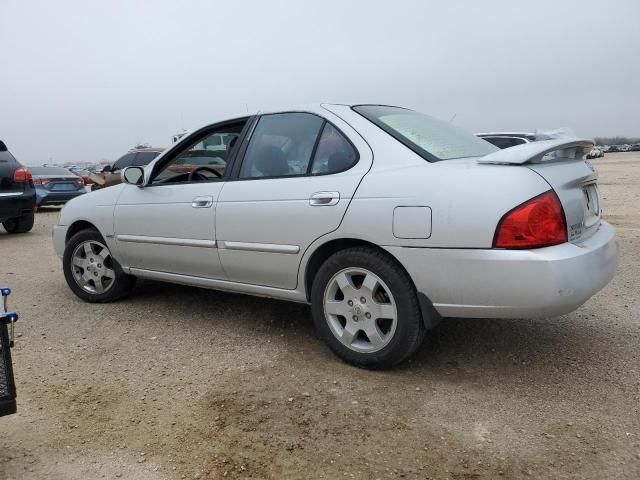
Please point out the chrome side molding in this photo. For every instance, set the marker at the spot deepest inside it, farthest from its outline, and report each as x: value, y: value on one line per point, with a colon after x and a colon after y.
x: 259, y: 247
x: 185, y: 242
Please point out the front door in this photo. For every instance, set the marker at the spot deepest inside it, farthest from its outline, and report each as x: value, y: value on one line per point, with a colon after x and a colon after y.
x: 169, y: 224
x: 294, y: 183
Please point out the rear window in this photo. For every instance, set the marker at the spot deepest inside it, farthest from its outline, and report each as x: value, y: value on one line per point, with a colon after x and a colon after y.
x: 432, y: 139
x: 49, y: 171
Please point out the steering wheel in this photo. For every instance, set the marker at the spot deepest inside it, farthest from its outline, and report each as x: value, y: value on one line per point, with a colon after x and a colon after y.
x: 208, y: 169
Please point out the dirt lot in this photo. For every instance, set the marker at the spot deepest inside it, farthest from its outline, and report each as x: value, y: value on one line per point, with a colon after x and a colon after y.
x: 178, y: 382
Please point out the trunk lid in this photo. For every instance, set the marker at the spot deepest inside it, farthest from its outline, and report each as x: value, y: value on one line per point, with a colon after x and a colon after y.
x: 58, y: 183
x: 561, y: 164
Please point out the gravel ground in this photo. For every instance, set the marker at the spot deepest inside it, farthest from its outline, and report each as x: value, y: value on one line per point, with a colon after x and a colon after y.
x: 178, y: 382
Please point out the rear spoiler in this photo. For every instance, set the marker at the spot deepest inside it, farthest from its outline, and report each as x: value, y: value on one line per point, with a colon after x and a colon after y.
x: 567, y: 148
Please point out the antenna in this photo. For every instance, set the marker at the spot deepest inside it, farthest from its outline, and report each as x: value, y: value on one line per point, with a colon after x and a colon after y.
x: 452, y: 118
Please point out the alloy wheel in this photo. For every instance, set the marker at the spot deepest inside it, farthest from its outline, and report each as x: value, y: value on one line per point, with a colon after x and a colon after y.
x: 360, y: 310
x: 92, y: 267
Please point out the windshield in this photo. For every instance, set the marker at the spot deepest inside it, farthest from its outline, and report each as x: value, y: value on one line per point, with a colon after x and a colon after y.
x: 432, y: 139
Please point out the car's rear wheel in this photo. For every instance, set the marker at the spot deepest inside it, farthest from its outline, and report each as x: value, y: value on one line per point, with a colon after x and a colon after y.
x: 91, y: 271
x: 21, y: 224
x: 366, y: 308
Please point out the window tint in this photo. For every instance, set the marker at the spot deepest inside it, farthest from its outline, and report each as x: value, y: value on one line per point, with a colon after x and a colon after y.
x: 281, y: 145
x: 124, y: 161
x: 333, y: 153
x: 144, y: 158
x: 210, y: 151
x: 432, y: 139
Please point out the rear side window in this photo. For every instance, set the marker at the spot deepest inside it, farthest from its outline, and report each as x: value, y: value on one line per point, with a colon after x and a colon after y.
x: 144, y: 158
x: 432, y: 139
x: 333, y: 153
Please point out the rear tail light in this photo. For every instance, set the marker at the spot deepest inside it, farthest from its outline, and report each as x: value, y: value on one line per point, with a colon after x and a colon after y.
x: 40, y: 181
x: 21, y: 174
x: 80, y: 181
x: 538, y: 222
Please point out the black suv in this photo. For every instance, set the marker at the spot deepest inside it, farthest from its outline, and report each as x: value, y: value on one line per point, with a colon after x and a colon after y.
x: 17, y: 194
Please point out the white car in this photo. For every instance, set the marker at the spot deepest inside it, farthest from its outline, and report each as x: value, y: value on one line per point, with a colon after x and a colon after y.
x: 382, y: 218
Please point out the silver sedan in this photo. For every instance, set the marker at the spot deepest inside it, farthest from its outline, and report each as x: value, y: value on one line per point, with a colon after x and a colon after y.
x: 385, y: 220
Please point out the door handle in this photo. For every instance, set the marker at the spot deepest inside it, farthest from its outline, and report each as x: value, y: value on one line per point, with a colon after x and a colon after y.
x: 324, y: 199
x: 202, y: 202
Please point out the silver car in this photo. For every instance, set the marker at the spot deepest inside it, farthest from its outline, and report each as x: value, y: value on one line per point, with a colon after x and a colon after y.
x: 382, y: 218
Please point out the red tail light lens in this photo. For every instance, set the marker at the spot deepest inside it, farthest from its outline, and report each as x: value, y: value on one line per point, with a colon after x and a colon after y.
x: 538, y: 222
x: 80, y: 181
x: 40, y: 181
x: 21, y: 174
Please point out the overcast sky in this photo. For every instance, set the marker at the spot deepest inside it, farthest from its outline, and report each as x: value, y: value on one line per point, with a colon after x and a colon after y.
x: 86, y: 80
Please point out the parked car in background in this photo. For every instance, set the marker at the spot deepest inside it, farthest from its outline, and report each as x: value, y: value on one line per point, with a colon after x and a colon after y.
x: 82, y: 173
x: 110, y: 174
x: 635, y: 147
x: 382, y: 218
x: 56, y: 185
x: 17, y: 194
x: 507, y: 139
x: 511, y: 139
x: 596, y: 152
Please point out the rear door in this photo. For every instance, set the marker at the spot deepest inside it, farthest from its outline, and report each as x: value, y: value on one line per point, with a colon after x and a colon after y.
x: 296, y: 178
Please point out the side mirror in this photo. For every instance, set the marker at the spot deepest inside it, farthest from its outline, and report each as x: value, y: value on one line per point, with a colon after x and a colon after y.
x: 133, y: 176
x: 106, y: 168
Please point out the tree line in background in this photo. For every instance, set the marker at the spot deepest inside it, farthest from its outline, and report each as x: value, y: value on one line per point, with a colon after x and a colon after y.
x: 616, y: 140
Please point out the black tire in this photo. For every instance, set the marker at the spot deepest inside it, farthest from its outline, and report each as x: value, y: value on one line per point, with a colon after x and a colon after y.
x: 21, y: 224
x: 410, y: 330
x: 122, y: 283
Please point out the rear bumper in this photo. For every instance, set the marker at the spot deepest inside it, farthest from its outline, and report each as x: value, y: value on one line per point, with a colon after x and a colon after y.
x: 57, y: 198
x: 17, y: 205
x: 512, y: 283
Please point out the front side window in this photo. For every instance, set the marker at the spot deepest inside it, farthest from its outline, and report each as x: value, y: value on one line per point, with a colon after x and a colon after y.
x: 203, y: 160
x: 281, y: 145
x: 432, y: 139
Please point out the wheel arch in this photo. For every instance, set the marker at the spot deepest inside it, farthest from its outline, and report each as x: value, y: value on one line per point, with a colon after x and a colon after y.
x: 430, y: 316
x: 78, y: 226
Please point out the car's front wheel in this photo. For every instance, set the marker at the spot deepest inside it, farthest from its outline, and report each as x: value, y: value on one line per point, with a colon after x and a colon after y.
x: 21, y: 224
x: 366, y: 308
x: 91, y: 271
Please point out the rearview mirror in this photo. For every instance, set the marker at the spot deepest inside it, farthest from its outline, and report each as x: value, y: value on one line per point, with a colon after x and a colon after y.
x: 133, y: 176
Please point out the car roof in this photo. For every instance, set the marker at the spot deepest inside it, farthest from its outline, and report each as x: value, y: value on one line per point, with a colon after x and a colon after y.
x: 146, y: 149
